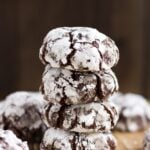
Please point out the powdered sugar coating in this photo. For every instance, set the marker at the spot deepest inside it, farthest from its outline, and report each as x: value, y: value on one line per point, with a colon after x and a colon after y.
x: 134, y: 111
x: 72, y: 87
x: 9, y: 141
x: 85, y: 118
x: 62, y: 140
x: 146, y: 141
x: 78, y: 48
x: 21, y: 112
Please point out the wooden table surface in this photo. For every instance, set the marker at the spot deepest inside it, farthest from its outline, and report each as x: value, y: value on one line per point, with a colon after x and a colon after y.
x: 129, y: 141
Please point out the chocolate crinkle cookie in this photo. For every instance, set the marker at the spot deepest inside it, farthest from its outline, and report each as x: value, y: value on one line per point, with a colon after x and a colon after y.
x: 85, y: 118
x: 56, y: 139
x: 78, y: 48
x: 9, y: 141
x: 72, y: 87
x: 146, y: 141
x: 134, y: 112
x: 21, y: 113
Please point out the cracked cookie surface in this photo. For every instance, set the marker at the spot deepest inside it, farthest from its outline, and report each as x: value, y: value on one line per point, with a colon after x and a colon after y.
x: 62, y: 140
x: 134, y: 111
x: 78, y: 48
x: 72, y: 87
x: 85, y: 118
x: 21, y: 113
x: 9, y: 141
x: 146, y: 140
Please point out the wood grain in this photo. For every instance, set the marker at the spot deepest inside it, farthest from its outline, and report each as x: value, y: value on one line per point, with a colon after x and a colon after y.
x: 129, y: 141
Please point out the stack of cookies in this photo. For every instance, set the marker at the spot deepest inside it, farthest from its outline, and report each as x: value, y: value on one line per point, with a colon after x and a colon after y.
x: 77, y: 83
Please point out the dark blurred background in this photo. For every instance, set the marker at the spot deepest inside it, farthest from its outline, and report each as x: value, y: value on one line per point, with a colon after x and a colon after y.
x: 23, y: 25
